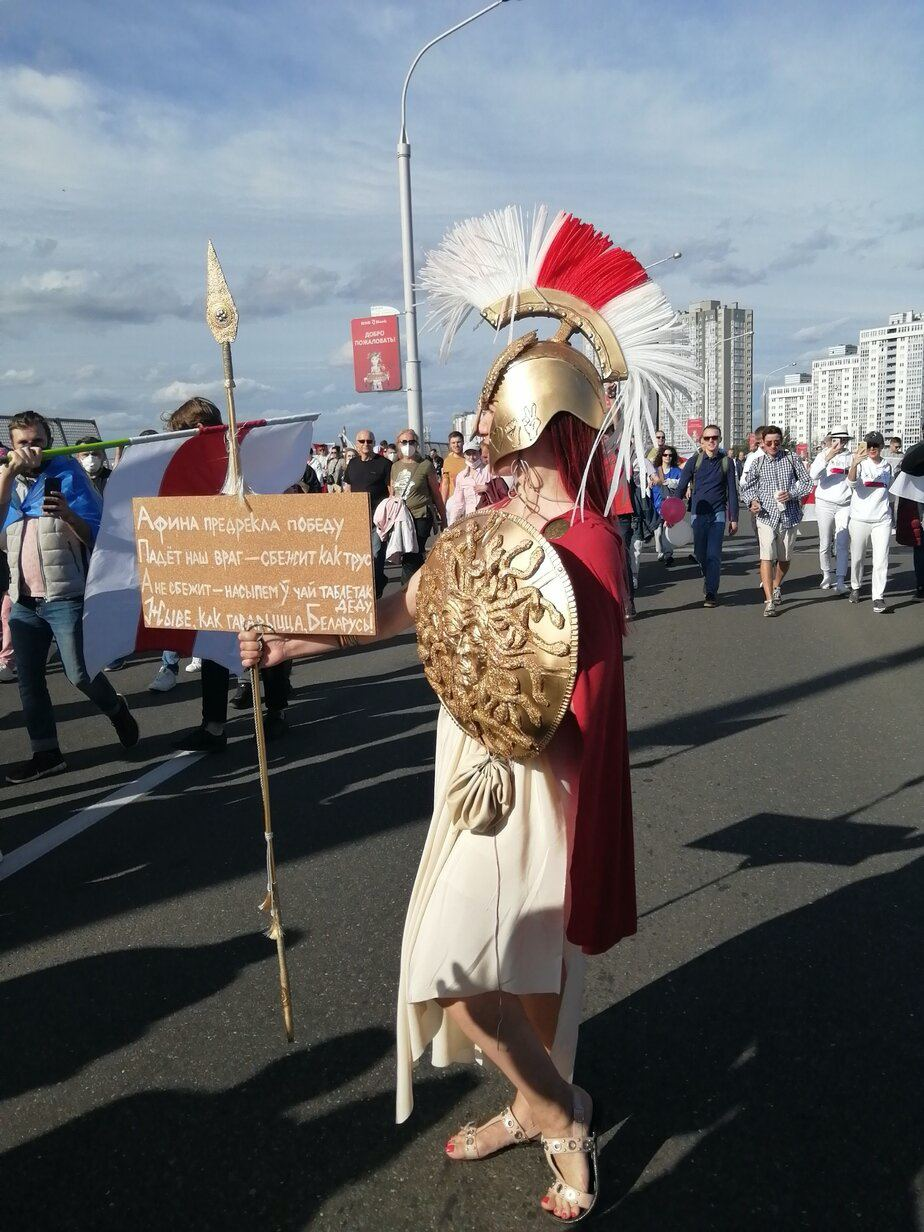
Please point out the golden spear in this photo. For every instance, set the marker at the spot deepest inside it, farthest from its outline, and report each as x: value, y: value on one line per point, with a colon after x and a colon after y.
x: 221, y: 315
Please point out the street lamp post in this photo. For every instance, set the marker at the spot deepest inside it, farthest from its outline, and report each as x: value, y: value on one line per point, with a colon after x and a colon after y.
x: 674, y: 256
x: 720, y: 341
x: 412, y: 366
x: 763, y: 396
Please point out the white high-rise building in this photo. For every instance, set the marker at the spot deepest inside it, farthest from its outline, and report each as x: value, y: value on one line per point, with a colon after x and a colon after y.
x: 891, y: 393
x: 790, y: 406
x: 876, y: 385
x: 835, y: 381
x: 722, y: 345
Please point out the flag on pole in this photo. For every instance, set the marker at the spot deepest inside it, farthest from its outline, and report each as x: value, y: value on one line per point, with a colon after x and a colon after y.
x: 273, y: 457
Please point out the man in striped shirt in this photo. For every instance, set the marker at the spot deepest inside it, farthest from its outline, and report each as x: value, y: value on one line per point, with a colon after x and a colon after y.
x: 773, y: 490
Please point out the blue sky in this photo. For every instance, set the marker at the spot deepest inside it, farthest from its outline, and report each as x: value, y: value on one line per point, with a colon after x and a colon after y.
x: 778, y: 145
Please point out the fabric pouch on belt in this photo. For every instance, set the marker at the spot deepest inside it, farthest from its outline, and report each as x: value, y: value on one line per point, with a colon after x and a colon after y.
x: 481, y: 795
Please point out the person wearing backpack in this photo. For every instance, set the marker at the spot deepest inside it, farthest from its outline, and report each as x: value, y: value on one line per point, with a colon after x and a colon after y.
x: 774, y: 490
x: 413, y: 479
x: 710, y: 477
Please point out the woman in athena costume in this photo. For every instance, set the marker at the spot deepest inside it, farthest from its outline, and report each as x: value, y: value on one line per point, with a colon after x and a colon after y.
x: 520, y: 613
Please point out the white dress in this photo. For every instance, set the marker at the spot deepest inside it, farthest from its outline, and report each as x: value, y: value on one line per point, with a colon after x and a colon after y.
x: 487, y: 912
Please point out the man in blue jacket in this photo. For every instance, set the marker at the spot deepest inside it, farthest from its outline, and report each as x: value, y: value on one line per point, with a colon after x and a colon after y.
x: 713, y: 486
x: 51, y: 514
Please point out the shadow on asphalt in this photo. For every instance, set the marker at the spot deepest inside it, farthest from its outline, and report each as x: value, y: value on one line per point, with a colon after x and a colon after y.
x: 50, y: 1028
x: 786, y: 1067
x: 701, y: 727
x: 197, y: 837
x: 238, y: 1160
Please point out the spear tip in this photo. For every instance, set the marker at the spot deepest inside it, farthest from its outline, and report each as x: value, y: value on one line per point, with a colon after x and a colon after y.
x: 220, y: 309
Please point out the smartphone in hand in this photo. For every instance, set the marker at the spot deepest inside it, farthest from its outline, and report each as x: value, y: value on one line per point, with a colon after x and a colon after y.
x: 53, y: 489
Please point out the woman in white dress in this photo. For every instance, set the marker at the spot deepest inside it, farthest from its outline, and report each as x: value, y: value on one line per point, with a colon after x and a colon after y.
x: 528, y: 863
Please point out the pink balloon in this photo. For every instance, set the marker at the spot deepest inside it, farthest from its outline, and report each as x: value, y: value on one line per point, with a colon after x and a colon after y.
x: 672, y: 510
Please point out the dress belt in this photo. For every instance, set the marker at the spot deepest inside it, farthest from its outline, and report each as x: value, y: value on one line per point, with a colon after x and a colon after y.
x: 873, y: 483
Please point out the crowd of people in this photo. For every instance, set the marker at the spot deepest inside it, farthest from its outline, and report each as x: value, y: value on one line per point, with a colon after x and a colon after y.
x: 50, y: 528
x: 849, y: 486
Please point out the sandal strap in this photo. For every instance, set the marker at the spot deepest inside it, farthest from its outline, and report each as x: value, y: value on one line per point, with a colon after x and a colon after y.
x: 470, y: 1132
x: 578, y: 1196
x: 569, y: 1146
x: 514, y: 1128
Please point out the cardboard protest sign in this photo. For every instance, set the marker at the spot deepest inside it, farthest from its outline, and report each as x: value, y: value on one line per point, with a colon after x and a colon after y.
x: 295, y: 563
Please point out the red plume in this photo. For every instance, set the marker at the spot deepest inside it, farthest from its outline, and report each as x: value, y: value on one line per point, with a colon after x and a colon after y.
x: 582, y: 261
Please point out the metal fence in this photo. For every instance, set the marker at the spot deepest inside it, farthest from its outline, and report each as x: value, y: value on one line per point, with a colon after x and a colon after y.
x: 64, y: 431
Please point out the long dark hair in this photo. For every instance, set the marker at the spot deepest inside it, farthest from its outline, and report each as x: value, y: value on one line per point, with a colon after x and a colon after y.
x: 675, y: 456
x: 573, y: 441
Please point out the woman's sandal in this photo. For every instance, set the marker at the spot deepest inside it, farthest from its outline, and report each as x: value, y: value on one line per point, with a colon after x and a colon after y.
x: 517, y: 1134
x: 579, y: 1140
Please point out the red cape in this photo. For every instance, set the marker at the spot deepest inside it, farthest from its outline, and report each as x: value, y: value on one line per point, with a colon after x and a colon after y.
x: 602, y: 866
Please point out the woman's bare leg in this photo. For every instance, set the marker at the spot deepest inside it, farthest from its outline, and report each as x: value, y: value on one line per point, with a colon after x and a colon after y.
x: 499, y: 1024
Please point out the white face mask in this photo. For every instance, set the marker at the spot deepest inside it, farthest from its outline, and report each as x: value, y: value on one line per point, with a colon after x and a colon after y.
x: 407, y: 448
x: 474, y: 462
x: 390, y: 455
x: 91, y: 463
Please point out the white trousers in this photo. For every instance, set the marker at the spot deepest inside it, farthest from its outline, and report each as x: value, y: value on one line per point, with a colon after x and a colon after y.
x: 832, y: 530
x: 860, y: 535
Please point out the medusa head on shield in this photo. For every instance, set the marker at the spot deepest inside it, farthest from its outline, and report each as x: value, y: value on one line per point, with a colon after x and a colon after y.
x: 497, y: 632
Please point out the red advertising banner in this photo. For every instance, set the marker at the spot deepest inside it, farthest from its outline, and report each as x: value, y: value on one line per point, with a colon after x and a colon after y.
x: 694, y: 430
x: 802, y: 450
x: 376, y: 354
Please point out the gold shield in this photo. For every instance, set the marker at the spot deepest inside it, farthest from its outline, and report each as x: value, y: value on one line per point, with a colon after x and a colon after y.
x: 497, y: 632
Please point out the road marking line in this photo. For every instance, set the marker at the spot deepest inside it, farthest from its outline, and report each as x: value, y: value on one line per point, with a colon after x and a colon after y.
x: 128, y: 793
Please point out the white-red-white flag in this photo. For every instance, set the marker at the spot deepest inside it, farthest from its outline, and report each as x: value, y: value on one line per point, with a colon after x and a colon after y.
x: 273, y: 457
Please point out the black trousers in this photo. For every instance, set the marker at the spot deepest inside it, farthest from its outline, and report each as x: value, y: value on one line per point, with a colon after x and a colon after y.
x: 412, y: 561
x: 215, y: 680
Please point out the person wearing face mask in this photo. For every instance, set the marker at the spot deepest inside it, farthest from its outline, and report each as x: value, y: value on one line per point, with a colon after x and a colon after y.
x: 414, y: 481
x: 469, y: 486
x: 95, y: 464
x: 391, y: 453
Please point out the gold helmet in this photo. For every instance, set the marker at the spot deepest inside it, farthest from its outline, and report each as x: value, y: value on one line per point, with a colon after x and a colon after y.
x: 509, y: 268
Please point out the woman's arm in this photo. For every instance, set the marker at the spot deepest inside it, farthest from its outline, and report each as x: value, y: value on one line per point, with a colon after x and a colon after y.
x: 393, y: 616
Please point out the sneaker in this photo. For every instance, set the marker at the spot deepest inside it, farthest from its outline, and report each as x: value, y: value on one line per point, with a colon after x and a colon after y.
x: 842, y: 588
x: 879, y: 606
x: 116, y: 665
x: 777, y: 596
x: 854, y: 596
x: 164, y: 681
x: 769, y: 608
x: 660, y: 556
x: 630, y: 610
x: 7, y: 674
x: 668, y: 559
x: 199, y: 740
x: 274, y: 724
x: 826, y: 583
x: 243, y: 698
x: 710, y: 601
x: 194, y: 665
x: 39, y: 766
x: 125, y: 725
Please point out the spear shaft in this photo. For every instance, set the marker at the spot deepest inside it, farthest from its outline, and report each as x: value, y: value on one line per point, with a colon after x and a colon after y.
x: 221, y: 315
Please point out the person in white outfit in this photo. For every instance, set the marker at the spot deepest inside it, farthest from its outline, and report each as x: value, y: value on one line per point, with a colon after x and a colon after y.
x: 832, y: 508
x: 870, y: 477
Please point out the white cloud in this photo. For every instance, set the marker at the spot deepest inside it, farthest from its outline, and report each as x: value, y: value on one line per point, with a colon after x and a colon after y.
x: 342, y: 356
x: 19, y: 376
x: 816, y: 333
x: 179, y: 391
x: 87, y: 372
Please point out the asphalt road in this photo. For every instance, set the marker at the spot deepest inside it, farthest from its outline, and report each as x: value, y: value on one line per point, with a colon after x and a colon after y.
x: 755, y: 1051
